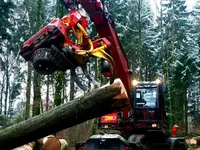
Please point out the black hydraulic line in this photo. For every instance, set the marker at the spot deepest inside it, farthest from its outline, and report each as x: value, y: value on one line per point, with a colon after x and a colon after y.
x: 77, y: 81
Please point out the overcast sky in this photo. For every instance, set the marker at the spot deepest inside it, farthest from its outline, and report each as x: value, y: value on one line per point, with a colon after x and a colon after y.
x: 190, y: 4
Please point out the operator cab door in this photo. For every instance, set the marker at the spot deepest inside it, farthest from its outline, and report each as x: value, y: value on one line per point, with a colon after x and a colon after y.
x: 145, y: 101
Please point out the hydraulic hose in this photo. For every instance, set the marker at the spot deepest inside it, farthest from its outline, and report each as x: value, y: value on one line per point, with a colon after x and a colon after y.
x: 86, y: 35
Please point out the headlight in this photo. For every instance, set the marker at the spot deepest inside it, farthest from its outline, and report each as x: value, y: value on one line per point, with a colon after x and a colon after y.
x: 158, y: 81
x: 154, y: 125
x: 134, y: 82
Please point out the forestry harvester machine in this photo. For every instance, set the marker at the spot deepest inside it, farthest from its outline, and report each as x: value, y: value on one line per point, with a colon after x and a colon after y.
x: 64, y: 44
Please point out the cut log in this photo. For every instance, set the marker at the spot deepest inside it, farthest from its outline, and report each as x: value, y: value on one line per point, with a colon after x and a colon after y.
x: 97, y: 103
x: 64, y: 144
x: 29, y: 146
x: 50, y: 143
x: 195, y: 141
x: 47, y: 143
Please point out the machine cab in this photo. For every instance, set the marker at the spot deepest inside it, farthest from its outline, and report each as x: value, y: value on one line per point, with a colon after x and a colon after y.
x: 148, y: 104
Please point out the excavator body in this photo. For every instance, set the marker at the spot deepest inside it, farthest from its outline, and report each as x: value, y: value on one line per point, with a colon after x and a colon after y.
x: 146, y: 128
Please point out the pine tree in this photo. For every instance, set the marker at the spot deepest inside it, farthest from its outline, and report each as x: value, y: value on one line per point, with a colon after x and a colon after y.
x: 194, y: 89
x: 5, y: 11
x: 6, y: 27
x: 179, y: 64
x: 135, y: 27
x: 59, y: 75
x: 37, y: 76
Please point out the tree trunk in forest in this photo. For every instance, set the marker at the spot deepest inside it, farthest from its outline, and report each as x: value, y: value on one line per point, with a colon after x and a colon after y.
x: 31, y: 19
x: 162, y: 53
x: 146, y: 67
x: 59, y: 74
x: 37, y: 94
x: 199, y: 83
x: 63, y: 90
x: 47, y: 96
x: 186, y: 111
x: 140, y: 40
x: 41, y: 106
x: 71, y: 95
x: 37, y: 76
x: 94, y: 126
x: 96, y: 69
x: 28, y: 92
x: 7, y: 85
x: 97, y: 103
x: 1, y: 97
x: 58, y: 88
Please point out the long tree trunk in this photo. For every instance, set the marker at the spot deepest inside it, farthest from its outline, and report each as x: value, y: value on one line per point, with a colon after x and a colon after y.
x: 37, y: 77
x: 37, y: 94
x: 63, y: 89
x: 58, y: 88
x: 41, y: 106
x: 1, y: 97
x: 72, y: 86
x: 47, y: 94
x: 97, y: 103
x: 96, y: 70
x: 59, y: 75
x: 140, y: 39
x: 199, y: 84
x: 186, y: 111
x: 30, y: 8
x: 28, y: 92
x: 7, y: 88
x: 7, y: 83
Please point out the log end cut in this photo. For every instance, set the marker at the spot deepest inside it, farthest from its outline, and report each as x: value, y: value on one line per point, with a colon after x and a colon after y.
x: 121, y: 100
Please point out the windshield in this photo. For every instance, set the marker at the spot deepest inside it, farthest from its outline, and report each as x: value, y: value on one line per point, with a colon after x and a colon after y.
x: 146, y: 97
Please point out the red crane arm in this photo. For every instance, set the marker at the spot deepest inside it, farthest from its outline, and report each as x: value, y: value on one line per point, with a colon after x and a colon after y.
x: 105, y: 28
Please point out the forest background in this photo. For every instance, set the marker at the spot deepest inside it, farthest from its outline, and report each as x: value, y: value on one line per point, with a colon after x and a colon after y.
x: 163, y: 42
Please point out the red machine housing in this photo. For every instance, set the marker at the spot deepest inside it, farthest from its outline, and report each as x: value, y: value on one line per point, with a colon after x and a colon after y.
x: 55, y: 33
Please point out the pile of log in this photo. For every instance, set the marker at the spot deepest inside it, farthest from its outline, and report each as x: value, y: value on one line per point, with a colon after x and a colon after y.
x: 99, y: 102
x: 193, y: 142
x: 47, y: 143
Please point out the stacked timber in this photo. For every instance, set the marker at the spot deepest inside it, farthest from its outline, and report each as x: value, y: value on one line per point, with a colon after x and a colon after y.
x: 194, y: 143
x: 46, y: 143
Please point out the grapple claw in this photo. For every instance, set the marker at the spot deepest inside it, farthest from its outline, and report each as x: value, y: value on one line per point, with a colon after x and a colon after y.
x: 88, y: 76
x: 77, y: 81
